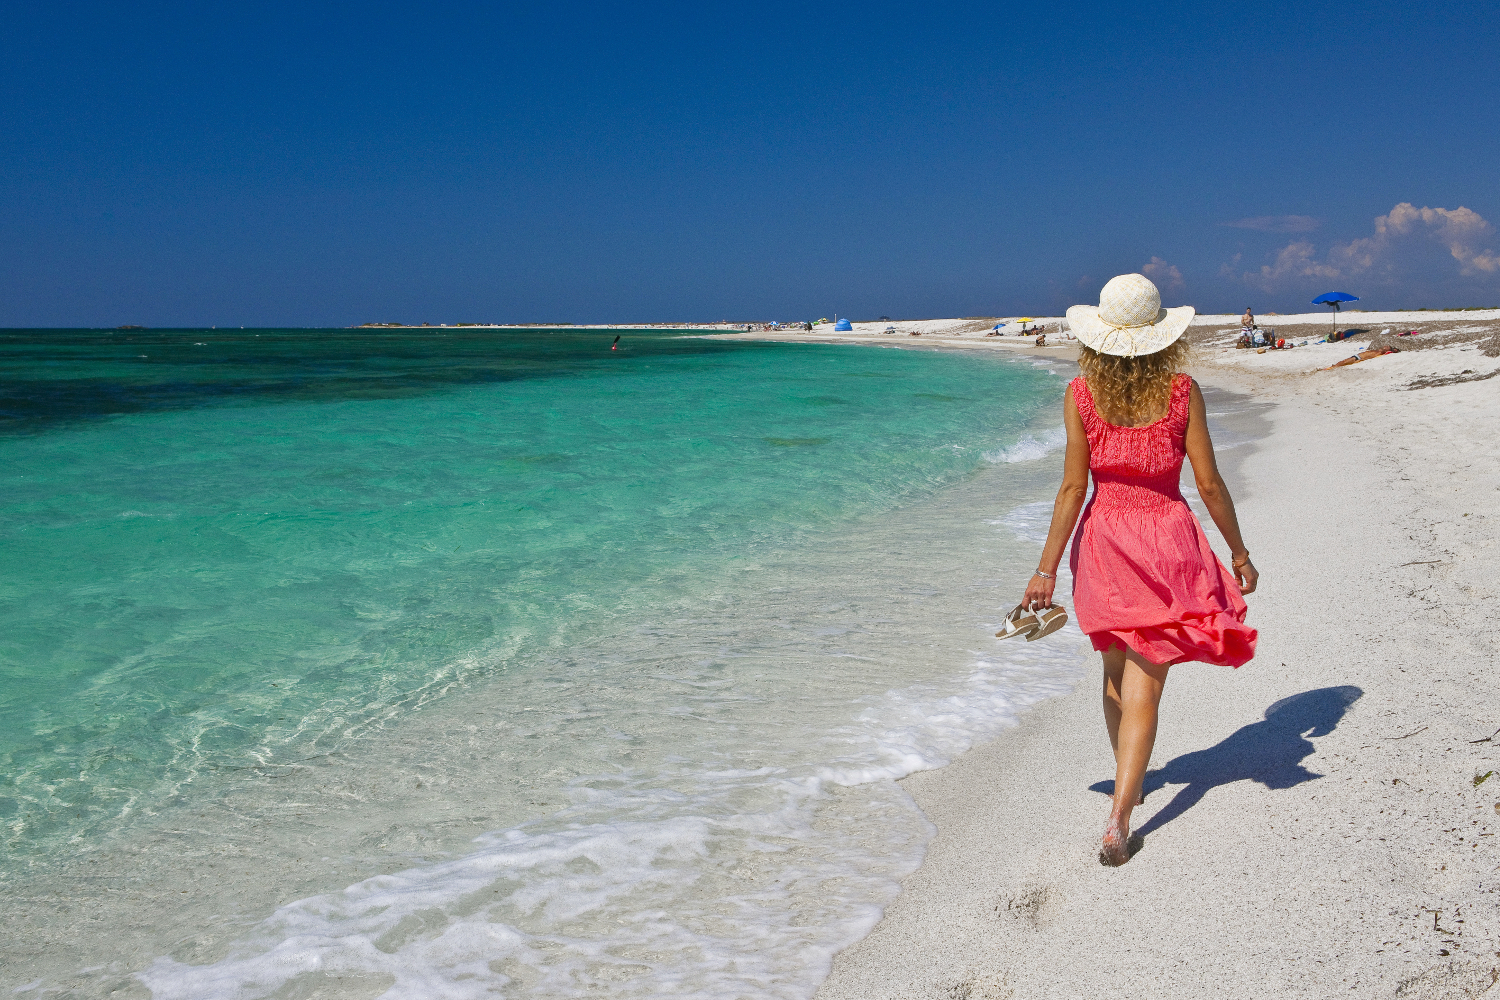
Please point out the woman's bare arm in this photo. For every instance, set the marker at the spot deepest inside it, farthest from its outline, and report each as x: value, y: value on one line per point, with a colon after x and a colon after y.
x: 1200, y: 451
x: 1075, y: 488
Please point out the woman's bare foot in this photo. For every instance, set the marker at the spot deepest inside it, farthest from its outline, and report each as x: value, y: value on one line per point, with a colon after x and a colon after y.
x: 1116, y: 850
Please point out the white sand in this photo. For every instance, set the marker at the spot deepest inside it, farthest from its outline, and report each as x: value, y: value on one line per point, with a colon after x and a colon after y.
x: 1356, y: 317
x: 978, y: 327
x: 1370, y: 511
x: 1306, y: 360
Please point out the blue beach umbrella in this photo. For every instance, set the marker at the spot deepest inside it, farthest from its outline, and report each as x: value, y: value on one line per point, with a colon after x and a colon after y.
x: 1333, y: 299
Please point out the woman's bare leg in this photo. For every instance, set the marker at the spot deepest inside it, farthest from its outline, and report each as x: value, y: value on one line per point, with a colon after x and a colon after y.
x: 1139, y: 692
x: 1114, y: 669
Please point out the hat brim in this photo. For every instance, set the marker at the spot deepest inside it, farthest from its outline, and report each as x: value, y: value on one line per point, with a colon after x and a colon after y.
x: 1094, y: 333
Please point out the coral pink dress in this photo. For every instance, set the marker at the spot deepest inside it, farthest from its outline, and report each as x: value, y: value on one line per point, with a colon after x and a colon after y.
x: 1144, y: 575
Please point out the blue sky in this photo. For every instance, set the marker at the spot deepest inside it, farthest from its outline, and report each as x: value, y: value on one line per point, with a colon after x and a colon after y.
x: 312, y: 164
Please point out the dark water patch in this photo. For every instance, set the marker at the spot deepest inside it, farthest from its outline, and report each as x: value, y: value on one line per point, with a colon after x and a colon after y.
x: 939, y: 396
x: 795, y: 442
x: 53, y: 377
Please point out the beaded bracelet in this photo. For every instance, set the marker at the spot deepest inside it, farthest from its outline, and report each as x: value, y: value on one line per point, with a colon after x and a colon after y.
x: 1045, y: 576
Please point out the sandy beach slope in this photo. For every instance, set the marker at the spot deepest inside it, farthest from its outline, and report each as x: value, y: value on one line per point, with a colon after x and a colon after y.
x: 1318, y: 822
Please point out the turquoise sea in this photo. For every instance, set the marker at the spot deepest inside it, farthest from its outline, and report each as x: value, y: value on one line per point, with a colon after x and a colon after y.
x: 472, y: 662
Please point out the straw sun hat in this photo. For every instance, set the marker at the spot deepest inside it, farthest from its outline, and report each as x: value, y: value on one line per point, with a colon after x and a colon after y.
x: 1129, y: 320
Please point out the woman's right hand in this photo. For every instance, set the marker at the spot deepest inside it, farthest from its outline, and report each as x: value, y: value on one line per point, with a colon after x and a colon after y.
x: 1246, y: 574
x: 1038, y: 593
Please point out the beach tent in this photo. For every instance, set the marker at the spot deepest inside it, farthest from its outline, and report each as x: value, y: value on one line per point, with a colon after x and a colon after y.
x: 1333, y: 299
x: 843, y: 326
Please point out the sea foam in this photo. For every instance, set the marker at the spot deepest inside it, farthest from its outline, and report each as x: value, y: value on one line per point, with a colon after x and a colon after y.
x: 715, y: 884
x: 1030, y: 448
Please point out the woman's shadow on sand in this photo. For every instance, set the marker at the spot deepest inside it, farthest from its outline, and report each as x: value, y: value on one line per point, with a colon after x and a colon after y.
x: 1270, y: 752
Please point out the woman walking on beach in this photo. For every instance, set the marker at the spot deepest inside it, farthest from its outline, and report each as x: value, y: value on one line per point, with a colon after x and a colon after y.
x: 1147, y: 588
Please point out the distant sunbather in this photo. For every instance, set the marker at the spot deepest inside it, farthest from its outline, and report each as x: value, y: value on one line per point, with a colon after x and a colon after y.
x: 1247, y: 321
x: 1362, y: 356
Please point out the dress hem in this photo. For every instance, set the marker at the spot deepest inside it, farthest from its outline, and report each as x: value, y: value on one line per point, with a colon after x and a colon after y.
x: 1163, y: 651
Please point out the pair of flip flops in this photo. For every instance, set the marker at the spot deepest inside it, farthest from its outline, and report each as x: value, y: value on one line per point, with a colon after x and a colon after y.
x: 1033, y: 624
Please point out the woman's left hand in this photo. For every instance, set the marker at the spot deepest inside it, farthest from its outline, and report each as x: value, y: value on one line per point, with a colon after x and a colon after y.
x: 1246, y: 575
x: 1038, y: 593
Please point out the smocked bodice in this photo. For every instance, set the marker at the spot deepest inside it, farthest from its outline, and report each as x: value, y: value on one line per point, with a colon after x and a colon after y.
x: 1136, y: 468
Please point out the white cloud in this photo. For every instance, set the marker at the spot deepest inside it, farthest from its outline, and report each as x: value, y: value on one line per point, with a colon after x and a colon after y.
x: 1460, y: 230
x: 1165, y: 275
x: 1276, y: 223
x: 1294, y: 261
x: 1398, y: 243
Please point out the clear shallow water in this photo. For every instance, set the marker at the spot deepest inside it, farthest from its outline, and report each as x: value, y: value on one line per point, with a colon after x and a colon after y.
x: 658, y: 626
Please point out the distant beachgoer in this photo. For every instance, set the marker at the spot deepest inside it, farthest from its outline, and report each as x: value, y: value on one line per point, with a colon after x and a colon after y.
x: 1147, y: 587
x: 1247, y: 321
x: 1363, y: 356
x: 616, y: 345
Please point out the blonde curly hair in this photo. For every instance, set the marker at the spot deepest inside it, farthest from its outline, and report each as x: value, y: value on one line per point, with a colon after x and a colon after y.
x: 1133, y: 391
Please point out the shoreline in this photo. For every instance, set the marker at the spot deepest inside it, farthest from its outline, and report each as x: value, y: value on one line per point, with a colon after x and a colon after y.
x: 971, y: 325
x: 1300, y: 852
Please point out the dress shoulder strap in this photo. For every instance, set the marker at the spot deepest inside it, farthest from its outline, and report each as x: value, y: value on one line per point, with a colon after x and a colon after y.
x: 1177, y: 408
x: 1084, y: 400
